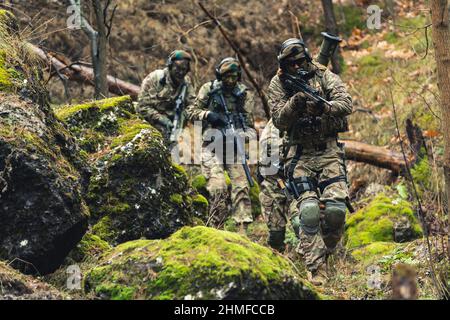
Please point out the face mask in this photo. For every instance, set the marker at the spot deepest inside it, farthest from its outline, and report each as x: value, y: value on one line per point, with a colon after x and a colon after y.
x: 179, y: 69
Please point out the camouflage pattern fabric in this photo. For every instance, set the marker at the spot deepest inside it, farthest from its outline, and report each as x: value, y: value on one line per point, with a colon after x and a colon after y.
x: 213, y: 166
x: 203, y: 103
x: 321, y: 166
x: 321, y: 157
x: 273, y: 200
x: 156, y: 100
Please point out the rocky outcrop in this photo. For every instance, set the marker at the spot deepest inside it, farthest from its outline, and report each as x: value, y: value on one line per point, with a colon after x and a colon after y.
x: 196, y: 263
x: 135, y: 190
x: 42, y: 174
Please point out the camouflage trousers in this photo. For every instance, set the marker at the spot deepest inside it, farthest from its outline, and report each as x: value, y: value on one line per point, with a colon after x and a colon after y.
x: 213, y: 169
x: 322, y: 166
x: 274, y: 204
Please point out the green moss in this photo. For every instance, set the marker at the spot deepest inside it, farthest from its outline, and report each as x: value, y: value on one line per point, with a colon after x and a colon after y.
x: 89, y: 247
x: 230, y: 225
x: 373, y: 250
x: 199, y: 200
x: 176, y: 198
x: 199, y: 182
x: 104, y: 229
x: 116, y: 102
x: 376, y: 221
x: 422, y: 173
x: 191, y: 260
x: 179, y: 170
x: 128, y: 130
x: 254, y: 197
x: 116, y: 291
x: 391, y: 37
x: 227, y: 179
x: 371, y: 64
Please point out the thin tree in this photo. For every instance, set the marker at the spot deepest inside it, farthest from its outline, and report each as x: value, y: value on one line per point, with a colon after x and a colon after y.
x: 441, y: 40
x: 99, y: 41
x: 332, y: 27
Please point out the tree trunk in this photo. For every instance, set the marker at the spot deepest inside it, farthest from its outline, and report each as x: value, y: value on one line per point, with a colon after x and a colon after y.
x: 441, y: 40
x: 99, y: 56
x: 331, y: 27
x: 374, y: 155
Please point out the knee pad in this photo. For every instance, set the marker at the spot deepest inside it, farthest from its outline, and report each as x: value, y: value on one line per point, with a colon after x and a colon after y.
x: 276, y: 240
x: 295, y: 222
x: 310, y: 216
x: 334, y: 216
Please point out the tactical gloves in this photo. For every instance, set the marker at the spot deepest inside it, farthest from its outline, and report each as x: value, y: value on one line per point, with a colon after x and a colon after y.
x: 215, y: 119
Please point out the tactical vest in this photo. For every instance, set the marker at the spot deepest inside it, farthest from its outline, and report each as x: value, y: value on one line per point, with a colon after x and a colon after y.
x: 316, y: 128
x: 235, y: 102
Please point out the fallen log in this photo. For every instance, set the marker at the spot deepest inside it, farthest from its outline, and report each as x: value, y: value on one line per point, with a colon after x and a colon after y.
x: 374, y: 155
x: 82, y: 74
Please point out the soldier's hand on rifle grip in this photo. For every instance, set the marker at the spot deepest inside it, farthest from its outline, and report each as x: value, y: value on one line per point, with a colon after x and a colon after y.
x: 215, y: 119
x: 299, y: 100
x: 315, y: 108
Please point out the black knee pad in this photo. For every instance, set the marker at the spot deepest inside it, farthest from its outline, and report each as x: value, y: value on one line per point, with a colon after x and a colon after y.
x: 310, y: 216
x: 334, y: 216
x: 276, y: 240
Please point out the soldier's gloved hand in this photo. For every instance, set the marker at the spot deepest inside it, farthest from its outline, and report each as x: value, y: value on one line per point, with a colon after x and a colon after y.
x: 299, y: 99
x: 315, y: 108
x: 215, y: 119
x: 166, y: 123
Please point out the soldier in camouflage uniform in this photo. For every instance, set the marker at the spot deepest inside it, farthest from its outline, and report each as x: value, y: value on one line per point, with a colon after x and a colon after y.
x: 315, y: 160
x: 274, y: 203
x: 160, y: 89
x: 207, y: 108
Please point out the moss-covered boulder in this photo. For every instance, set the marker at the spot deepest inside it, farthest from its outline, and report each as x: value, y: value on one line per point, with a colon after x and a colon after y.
x: 42, y: 211
x: 102, y: 124
x: 16, y: 286
x: 196, y: 263
x: 384, y: 219
x: 135, y: 191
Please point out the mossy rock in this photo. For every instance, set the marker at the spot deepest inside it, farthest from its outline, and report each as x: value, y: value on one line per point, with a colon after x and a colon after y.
x: 196, y: 263
x: 380, y: 220
x: 46, y: 179
x: 89, y: 248
x: 199, y: 182
x: 135, y: 191
x: 373, y: 251
x: 102, y: 124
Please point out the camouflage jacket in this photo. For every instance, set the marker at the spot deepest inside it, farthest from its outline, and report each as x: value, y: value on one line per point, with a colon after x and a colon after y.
x: 241, y: 100
x: 303, y: 128
x: 158, y: 95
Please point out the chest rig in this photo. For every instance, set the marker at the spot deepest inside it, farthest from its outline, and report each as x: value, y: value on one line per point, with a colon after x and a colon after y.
x: 309, y: 128
x: 235, y: 102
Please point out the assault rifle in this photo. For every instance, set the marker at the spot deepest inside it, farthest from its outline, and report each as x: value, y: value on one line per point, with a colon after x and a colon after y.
x: 179, y: 104
x: 238, y: 141
x: 298, y: 83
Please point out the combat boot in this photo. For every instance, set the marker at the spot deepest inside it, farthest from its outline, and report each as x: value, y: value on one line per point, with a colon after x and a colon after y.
x: 276, y: 240
x: 318, y: 277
